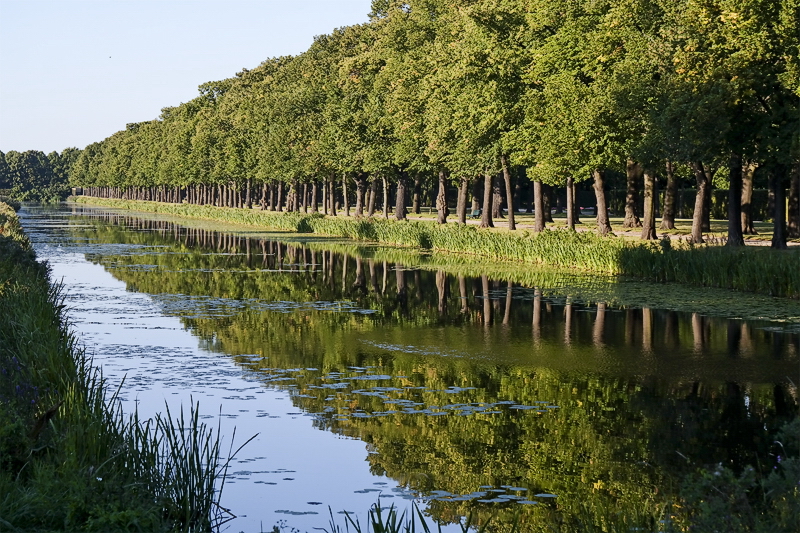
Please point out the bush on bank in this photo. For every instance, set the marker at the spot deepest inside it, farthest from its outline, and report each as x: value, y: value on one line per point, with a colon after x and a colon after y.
x: 753, y: 269
x: 69, y: 459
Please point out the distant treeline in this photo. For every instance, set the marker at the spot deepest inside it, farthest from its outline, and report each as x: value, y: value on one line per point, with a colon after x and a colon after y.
x: 34, y: 176
x: 493, y: 101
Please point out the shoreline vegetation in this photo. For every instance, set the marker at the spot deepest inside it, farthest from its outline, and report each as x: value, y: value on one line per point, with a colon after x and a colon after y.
x: 755, y: 499
x: 759, y: 270
x: 572, y: 285
x: 70, y: 460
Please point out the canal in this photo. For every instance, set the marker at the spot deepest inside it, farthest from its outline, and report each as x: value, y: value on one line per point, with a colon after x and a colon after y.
x: 372, y: 374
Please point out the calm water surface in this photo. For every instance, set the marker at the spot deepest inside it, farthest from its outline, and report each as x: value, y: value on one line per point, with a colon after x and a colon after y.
x: 369, y: 379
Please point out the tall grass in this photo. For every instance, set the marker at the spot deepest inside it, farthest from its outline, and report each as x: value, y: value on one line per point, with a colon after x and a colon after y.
x: 69, y: 458
x: 382, y: 520
x: 753, y: 269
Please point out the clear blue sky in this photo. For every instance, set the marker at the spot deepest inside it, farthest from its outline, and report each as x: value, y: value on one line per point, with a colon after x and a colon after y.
x: 73, y: 72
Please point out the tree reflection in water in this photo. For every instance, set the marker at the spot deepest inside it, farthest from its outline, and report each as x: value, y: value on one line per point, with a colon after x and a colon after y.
x: 464, y: 384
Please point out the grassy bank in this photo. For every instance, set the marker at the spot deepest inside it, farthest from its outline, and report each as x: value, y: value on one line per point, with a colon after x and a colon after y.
x: 69, y: 459
x: 753, y: 269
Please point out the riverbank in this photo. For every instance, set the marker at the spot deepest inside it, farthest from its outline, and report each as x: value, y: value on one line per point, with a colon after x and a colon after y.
x: 750, y: 269
x: 70, y: 459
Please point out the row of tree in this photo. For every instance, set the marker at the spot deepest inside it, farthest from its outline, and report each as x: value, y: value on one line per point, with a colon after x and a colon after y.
x: 478, y: 94
x: 36, y: 176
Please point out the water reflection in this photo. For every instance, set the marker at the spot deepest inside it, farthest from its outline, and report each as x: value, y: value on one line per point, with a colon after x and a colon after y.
x: 481, y: 394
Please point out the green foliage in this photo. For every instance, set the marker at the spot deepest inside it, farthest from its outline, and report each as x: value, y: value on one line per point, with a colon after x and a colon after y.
x: 34, y: 176
x: 561, y: 87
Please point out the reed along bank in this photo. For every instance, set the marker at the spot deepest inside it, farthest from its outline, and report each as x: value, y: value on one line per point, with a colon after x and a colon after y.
x: 70, y: 460
x: 751, y: 268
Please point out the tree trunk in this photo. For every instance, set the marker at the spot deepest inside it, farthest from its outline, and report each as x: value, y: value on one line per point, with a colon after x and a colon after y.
x: 747, y: 198
x: 332, y: 194
x: 486, y: 213
x: 305, y: 197
x: 523, y: 174
x: 360, y: 189
x: 649, y: 225
x: 476, y: 193
x: 441, y: 199
x: 459, y: 200
x: 708, y: 197
x: 702, y: 191
x: 314, y: 199
x: 290, y: 198
x: 779, y: 222
x: 385, y: 197
x: 463, y: 191
x: 272, y: 190
x: 497, y: 197
x: 400, y: 197
x: 633, y: 172
x: 371, y: 202
x: 707, y: 202
x: 249, y: 199
x: 279, y: 207
x: 415, y: 203
x: 570, y: 203
x: 576, y: 214
x: 603, y: 225
x: 794, y: 203
x: 547, y: 196
x: 509, y: 192
x: 735, y: 236
x: 668, y: 212
x: 538, y: 207
x: 344, y: 194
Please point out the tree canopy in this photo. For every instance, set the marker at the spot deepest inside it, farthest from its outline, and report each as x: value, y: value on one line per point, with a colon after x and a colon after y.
x: 563, y: 89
